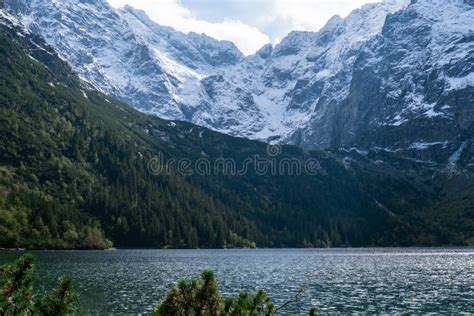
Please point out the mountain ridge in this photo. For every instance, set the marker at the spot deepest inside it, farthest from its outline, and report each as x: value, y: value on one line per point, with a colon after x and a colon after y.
x: 317, y: 90
x: 181, y: 89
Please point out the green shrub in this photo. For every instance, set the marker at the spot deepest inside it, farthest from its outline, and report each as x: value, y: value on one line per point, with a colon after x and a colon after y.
x: 201, y: 297
x: 16, y: 292
x: 16, y: 283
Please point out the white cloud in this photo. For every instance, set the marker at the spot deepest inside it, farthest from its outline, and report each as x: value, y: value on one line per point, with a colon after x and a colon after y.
x: 169, y: 12
x: 275, y: 21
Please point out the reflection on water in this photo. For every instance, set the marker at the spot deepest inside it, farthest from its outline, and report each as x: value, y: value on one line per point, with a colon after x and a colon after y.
x: 336, y: 280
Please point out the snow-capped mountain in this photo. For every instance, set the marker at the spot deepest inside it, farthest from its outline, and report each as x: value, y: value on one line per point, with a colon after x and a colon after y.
x: 396, y: 75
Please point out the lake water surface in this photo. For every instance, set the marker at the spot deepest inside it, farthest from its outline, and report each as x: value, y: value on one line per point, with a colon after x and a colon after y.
x: 336, y: 280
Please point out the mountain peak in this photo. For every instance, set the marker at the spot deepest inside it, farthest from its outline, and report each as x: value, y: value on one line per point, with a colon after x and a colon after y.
x: 265, y: 51
x: 216, y: 52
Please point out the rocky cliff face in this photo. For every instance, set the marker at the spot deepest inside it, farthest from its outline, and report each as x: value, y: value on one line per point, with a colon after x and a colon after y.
x: 412, y: 88
x: 396, y: 75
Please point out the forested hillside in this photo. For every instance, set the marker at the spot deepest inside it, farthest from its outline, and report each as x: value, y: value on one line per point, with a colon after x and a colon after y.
x: 74, y: 174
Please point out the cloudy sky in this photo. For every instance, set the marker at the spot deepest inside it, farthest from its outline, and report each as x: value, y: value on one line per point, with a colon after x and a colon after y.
x: 248, y: 23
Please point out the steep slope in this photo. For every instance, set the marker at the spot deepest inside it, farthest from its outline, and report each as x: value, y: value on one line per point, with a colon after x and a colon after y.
x: 422, y: 106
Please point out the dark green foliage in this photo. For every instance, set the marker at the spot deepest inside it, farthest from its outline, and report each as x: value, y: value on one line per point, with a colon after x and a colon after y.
x: 200, y: 297
x: 195, y: 297
x: 16, y: 286
x: 60, y: 301
x: 248, y: 304
x: 16, y: 292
